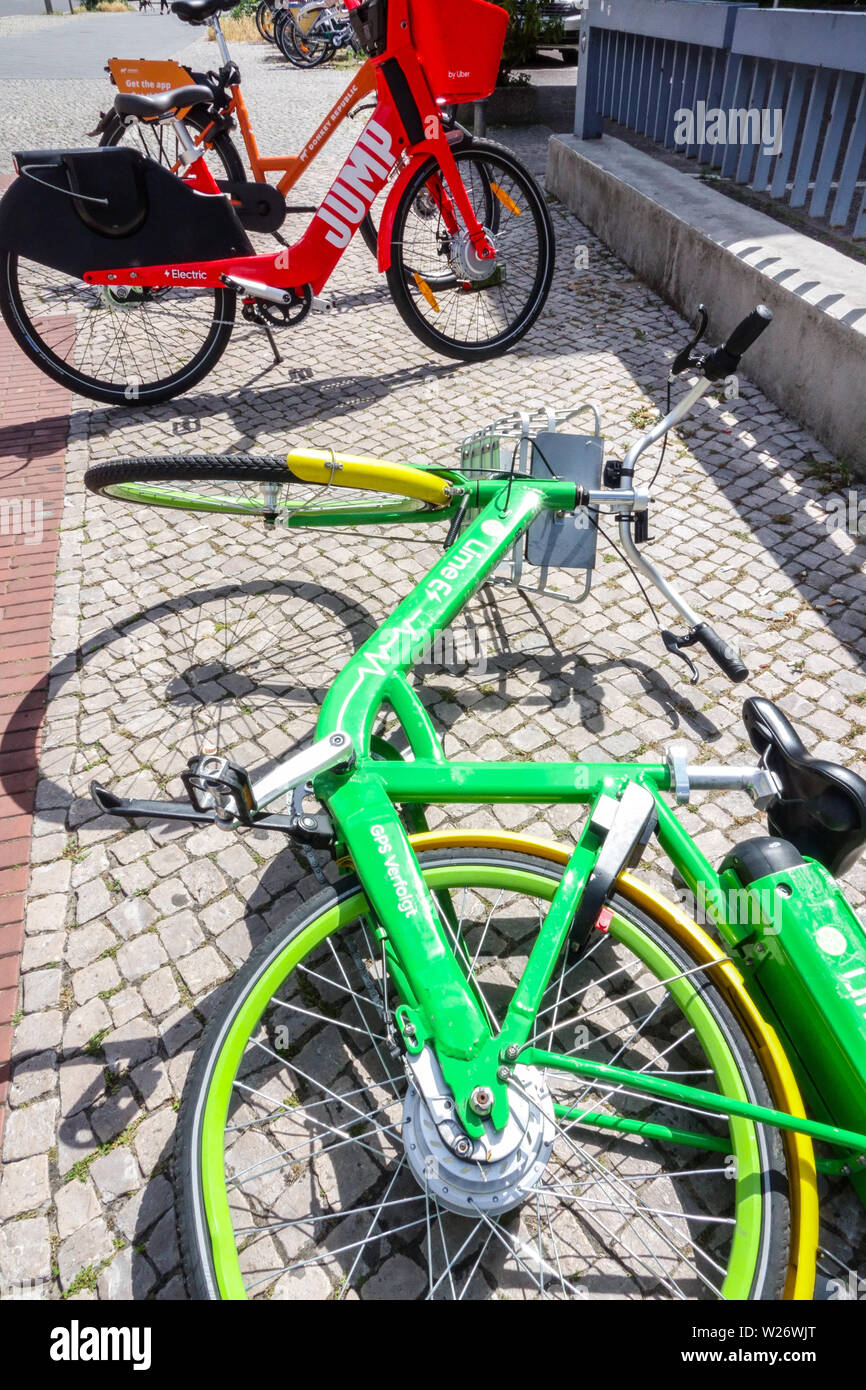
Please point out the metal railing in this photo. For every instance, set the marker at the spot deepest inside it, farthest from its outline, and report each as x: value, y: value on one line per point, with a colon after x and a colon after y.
x: 772, y: 99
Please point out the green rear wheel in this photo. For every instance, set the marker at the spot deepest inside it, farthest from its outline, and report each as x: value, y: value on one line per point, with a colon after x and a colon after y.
x: 308, y: 1168
x: 253, y: 486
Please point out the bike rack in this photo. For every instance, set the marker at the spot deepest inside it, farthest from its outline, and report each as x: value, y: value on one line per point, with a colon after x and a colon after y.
x: 531, y: 443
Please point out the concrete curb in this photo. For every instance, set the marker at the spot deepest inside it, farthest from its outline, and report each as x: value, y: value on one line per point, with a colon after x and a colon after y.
x: 693, y: 245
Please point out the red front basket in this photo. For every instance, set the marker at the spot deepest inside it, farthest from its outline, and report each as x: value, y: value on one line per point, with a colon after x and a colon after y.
x: 459, y: 45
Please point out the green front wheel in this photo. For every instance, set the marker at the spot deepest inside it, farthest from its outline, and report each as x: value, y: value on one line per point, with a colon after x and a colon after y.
x: 312, y: 1165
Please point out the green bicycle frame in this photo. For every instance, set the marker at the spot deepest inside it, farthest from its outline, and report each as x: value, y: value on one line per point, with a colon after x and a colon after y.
x: 439, y: 1004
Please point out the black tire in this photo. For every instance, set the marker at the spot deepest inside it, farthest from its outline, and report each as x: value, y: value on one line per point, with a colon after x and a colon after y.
x: 123, y: 388
x: 771, y: 1264
x: 485, y: 163
x: 302, y: 51
x: 253, y: 468
x: 224, y: 161
x: 265, y: 21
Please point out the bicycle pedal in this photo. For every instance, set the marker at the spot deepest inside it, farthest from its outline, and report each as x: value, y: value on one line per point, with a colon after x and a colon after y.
x: 214, y: 784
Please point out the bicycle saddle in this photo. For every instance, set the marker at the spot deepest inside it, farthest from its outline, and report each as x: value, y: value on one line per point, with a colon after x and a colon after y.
x: 199, y: 11
x: 822, y: 806
x: 147, y: 108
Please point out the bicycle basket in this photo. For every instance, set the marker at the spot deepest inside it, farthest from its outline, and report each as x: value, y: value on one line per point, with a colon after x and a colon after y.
x: 459, y: 45
x: 533, y: 443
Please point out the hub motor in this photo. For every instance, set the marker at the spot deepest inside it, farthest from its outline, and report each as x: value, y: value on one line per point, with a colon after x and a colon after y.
x: 494, y: 1173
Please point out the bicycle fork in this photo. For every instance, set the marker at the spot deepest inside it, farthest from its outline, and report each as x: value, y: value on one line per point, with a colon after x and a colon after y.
x: 432, y: 972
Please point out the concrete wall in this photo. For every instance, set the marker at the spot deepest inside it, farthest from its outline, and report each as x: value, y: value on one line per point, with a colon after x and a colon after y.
x: 692, y: 244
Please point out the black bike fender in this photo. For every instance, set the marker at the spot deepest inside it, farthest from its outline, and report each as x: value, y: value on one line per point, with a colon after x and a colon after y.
x: 49, y: 222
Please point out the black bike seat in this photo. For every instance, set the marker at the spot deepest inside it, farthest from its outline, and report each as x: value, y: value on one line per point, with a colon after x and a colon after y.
x: 148, y: 108
x: 822, y: 806
x: 199, y: 11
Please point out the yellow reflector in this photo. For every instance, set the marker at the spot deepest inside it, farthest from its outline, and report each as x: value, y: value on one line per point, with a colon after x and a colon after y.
x: 506, y: 200
x: 426, y: 291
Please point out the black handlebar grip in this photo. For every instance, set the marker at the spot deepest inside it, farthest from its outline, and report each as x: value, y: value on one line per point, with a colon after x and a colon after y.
x: 726, y: 359
x: 747, y: 332
x: 724, y: 656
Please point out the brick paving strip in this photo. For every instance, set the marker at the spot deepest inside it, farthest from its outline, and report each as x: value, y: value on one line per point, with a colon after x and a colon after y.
x: 34, y: 428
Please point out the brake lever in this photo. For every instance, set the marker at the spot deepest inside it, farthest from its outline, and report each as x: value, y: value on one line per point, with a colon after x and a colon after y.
x: 684, y: 357
x: 675, y: 646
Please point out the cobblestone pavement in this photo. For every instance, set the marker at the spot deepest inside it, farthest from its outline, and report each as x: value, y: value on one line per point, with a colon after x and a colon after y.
x: 164, y: 624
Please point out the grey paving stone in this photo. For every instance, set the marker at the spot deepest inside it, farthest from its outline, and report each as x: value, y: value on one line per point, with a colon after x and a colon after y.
x: 124, y: 1005
x: 166, y: 860
x: 92, y: 900
x: 202, y: 969
x: 161, y: 1245
x: 159, y: 992
x: 85, y: 1025
x: 76, y: 1204
x: 81, y: 1083
x: 96, y: 979
x: 180, y: 934
x: 153, y: 1140
x: 24, y: 1186
x: 85, y: 1249
x: 128, y: 1277
x: 75, y: 1142
x: 30, y: 1131
x: 151, y: 1079
x: 33, y: 1077
x: 178, y: 1028
x: 45, y: 949
x: 113, y: 1114
x: 87, y: 944
x: 115, y: 1174
x: 139, y: 1213
x: 37, y: 1033
x: 125, y: 1047
x: 50, y: 878
x: 141, y: 957
x: 203, y: 880
x: 130, y: 917
x: 46, y: 914
x: 25, y: 1253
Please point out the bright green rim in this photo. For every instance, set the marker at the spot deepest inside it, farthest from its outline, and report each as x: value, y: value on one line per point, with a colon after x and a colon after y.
x: 286, y: 512
x: 745, y: 1247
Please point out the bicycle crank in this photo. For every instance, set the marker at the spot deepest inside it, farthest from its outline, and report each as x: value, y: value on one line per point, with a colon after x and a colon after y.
x: 276, y: 309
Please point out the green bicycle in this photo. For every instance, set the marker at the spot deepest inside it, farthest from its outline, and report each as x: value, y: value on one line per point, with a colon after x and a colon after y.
x: 482, y: 1064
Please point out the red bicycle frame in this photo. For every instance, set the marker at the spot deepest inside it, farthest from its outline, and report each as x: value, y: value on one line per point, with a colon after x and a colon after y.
x: 405, y: 126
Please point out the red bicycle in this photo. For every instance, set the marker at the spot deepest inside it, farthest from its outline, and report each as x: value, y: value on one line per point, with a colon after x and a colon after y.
x: 120, y: 279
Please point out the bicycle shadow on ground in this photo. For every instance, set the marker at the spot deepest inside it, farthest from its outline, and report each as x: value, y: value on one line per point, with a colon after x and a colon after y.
x: 188, y: 690
x: 800, y: 544
x: 31, y: 441
x: 524, y: 641
x: 252, y: 409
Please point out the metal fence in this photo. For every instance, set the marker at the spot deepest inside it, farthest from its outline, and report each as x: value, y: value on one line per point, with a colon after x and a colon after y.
x: 773, y: 99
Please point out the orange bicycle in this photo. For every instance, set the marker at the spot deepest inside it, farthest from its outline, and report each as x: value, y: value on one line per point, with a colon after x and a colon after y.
x: 259, y: 210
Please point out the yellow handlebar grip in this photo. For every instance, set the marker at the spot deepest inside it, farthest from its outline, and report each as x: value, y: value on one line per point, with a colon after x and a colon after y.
x: 374, y: 475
